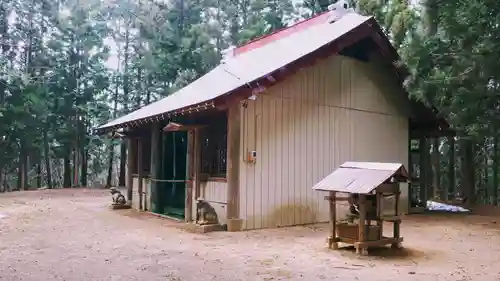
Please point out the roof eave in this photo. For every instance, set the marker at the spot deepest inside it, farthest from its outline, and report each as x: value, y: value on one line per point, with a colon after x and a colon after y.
x: 156, y: 118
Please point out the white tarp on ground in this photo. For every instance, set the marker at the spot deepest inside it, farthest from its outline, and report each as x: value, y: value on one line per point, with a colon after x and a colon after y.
x: 436, y: 206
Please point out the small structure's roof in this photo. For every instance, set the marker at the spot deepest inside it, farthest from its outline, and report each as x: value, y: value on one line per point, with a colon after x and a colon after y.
x: 360, y: 177
x: 247, y: 67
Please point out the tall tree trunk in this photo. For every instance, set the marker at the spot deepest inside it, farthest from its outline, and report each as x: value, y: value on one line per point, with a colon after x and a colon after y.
x: 126, y: 99
x: 39, y: 172
x: 22, y: 169
x: 487, y: 192
x: 46, y: 154
x: 4, y: 48
x: 20, y: 173
x: 424, y: 170
x: 110, y: 166
x: 451, y: 167
x: 467, y: 170
x: 84, y: 153
x: 148, y: 89
x: 76, y: 163
x: 2, y: 186
x: 67, y: 168
x: 111, y: 146
x: 436, y: 155
x: 494, y: 189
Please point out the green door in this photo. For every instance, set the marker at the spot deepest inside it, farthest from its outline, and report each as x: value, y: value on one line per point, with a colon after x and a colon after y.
x: 172, y: 188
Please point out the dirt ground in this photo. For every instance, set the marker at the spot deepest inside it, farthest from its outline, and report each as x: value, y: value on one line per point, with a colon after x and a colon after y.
x: 72, y: 235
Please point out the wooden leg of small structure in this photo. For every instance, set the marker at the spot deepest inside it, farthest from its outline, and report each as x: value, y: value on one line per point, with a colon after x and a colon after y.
x: 332, y: 240
x: 361, y: 250
x: 380, y: 222
x: 396, y: 224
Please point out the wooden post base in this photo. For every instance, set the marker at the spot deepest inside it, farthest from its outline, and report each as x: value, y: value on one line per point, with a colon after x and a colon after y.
x: 362, y: 251
x: 398, y: 245
x: 332, y: 243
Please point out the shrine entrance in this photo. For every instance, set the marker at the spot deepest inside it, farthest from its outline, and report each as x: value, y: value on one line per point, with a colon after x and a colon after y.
x: 170, y: 195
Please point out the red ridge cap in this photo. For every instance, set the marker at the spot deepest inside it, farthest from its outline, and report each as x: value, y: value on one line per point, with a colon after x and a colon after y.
x: 278, y: 34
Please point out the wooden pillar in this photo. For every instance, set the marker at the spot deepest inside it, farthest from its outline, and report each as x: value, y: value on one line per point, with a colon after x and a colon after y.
x: 140, y: 173
x: 197, y: 163
x: 380, y: 222
x: 234, y: 223
x: 332, y: 240
x: 155, y: 161
x: 188, y: 206
x: 362, y: 225
x: 397, y: 222
x: 130, y: 164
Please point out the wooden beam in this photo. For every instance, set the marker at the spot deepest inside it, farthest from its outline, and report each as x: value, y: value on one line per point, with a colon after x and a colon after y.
x: 139, y: 173
x: 233, y: 166
x: 130, y: 163
x: 155, y: 162
x: 197, y: 163
x: 177, y: 127
x: 188, y: 206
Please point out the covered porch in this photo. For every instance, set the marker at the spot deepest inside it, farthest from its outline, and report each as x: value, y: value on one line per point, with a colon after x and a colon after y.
x: 180, y: 164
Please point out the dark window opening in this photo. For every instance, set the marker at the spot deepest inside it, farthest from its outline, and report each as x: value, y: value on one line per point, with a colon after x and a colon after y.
x: 146, y: 156
x: 214, y: 148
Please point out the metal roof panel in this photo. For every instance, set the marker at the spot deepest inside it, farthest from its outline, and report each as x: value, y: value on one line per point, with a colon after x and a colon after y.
x: 246, y: 68
x: 360, y: 177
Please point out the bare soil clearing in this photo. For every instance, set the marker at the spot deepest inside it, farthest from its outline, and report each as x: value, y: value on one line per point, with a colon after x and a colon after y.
x: 72, y: 235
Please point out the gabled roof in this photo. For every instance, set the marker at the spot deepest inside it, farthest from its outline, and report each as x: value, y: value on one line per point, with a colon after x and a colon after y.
x: 260, y: 63
x: 361, y: 177
x: 282, y: 33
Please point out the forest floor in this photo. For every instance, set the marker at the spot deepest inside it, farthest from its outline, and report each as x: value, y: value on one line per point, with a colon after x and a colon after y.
x: 72, y: 235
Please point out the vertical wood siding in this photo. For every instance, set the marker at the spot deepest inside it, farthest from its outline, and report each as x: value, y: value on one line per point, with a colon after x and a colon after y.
x: 215, y: 193
x: 135, y: 193
x: 305, y: 127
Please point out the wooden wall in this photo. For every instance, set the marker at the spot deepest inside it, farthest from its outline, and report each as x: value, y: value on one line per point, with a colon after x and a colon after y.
x: 303, y: 128
x: 135, y: 193
x: 215, y: 193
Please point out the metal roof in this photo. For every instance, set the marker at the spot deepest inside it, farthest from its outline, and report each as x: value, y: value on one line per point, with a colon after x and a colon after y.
x: 360, y: 177
x: 243, y: 69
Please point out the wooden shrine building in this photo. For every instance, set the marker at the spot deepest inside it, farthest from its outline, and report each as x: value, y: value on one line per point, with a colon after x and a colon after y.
x: 250, y: 137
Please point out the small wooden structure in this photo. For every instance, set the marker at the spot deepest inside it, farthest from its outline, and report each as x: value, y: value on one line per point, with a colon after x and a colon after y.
x: 367, y: 184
